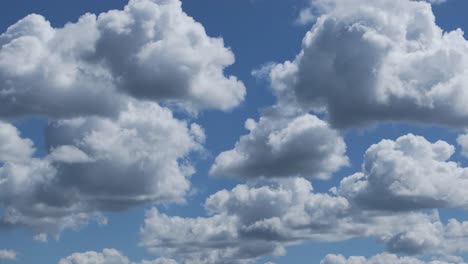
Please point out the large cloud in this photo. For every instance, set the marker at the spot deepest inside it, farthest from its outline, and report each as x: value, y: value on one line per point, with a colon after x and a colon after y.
x: 281, y: 146
x: 406, y: 174
x: 98, y: 164
x: 368, y: 61
x: 263, y: 218
x: 151, y: 50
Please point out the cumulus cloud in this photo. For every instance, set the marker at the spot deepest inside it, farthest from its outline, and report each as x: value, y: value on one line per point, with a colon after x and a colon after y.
x: 245, y: 223
x: 409, y: 173
x: 7, y: 254
x: 462, y: 140
x: 107, y: 256
x: 264, y: 217
x: 369, y: 61
x: 281, y: 146
x: 150, y: 50
x: 12, y: 146
x: 379, y: 259
x: 98, y: 164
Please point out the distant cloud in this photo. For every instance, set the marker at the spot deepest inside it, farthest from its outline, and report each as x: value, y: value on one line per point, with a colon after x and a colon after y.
x: 107, y: 256
x: 7, y: 254
x: 380, y: 259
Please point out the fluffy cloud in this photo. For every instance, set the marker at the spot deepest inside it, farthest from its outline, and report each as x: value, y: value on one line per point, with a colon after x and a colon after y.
x: 98, y: 164
x: 7, y: 254
x: 263, y: 218
x: 378, y: 259
x: 107, y: 256
x: 12, y: 146
x: 431, y: 237
x: 463, y: 142
x: 281, y: 146
x: 246, y: 223
x: 379, y: 60
x: 406, y: 174
x: 151, y: 50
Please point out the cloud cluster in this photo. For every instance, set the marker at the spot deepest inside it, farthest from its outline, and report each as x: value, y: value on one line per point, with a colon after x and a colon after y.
x: 284, y: 146
x: 150, y: 50
x: 246, y: 222
x: 394, y: 201
x: 253, y: 221
x: 96, y: 164
x: 371, y: 61
x: 101, y: 82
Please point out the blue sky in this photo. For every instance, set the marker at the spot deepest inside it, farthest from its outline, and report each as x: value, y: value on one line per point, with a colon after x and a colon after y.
x: 257, y: 33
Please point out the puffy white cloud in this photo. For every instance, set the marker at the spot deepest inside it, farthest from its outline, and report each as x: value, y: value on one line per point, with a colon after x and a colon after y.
x: 369, y: 61
x: 99, y: 164
x: 378, y: 259
x: 150, y: 50
x: 406, y: 174
x: 7, y: 254
x: 282, y: 146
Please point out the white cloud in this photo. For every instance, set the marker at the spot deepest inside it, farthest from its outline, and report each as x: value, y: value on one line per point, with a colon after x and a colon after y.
x: 407, y: 174
x: 151, y: 50
x: 378, y: 259
x: 282, y: 146
x: 12, y: 146
x: 7, y: 254
x: 462, y: 140
x: 107, y: 256
x: 246, y: 223
x: 99, y: 164
x: 263, y: 218
x: 370, y: 61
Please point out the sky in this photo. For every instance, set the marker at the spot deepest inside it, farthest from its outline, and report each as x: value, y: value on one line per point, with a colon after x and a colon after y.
x: 248, y: 131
